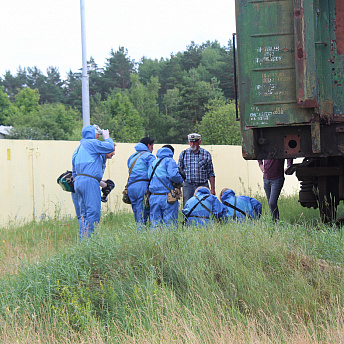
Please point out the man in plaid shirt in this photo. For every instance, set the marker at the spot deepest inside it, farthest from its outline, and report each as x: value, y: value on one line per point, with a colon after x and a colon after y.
x: 197, y: 164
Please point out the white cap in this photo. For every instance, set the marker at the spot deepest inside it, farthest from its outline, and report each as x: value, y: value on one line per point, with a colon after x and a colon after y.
x: 194, y: 136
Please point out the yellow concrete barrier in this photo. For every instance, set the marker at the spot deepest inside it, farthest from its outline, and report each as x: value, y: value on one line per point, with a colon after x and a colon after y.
x: 29, y: 170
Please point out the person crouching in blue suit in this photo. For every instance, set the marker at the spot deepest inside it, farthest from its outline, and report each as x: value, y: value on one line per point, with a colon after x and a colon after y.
x: 240, y: 207
x: 164, y: 174
x: 202, y: 208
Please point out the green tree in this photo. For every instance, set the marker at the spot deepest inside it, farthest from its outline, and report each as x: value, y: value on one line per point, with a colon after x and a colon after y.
x: 145, y: 101
x: 121, y: 118
x: 35, y: 79
x: 117, y: 71
x: 73, y: 90
x: 94, y: 78
x: 97, y: 109
x: 217, y: 62
x: 191, y: 57
x: 49, y: 122
x: 6, y: 107
x: 41, y: 122
x: 219, y: 125
x: 13, y: 84
x: 196, y: 94
x: 51, y: 91
x: 148, y: 68
x: 172, y: 104
x: 57, y: 121
x: 26, y: 102
x: 25, y: 110
x: 171, y: 75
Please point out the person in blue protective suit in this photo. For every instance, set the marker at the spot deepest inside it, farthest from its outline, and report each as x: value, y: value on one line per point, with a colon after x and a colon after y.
x: 138, y: 165
x: 88, y: 168
x: 75, y: 200
x: 240, y: 207
x: 164, y: 180
x: 103, y: 184
x: 202, y: 208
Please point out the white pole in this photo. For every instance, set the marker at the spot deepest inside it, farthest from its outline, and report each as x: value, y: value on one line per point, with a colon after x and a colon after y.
x: 84, y: 78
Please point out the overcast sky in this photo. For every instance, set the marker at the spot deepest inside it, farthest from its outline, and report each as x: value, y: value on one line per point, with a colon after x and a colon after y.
x: 47, y: 33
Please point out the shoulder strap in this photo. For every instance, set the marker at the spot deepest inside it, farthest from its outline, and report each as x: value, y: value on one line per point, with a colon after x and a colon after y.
x: 237, y: 209
x: 163, y: 182
x: 200, y: 202
x: 155, y: 167
x: 194, y: 207
x: 133, y: 164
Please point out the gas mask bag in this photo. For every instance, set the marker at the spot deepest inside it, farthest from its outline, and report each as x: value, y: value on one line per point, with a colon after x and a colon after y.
x: 65, y: 180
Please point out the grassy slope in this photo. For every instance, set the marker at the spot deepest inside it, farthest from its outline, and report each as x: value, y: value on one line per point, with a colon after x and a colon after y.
x: 226, y: 283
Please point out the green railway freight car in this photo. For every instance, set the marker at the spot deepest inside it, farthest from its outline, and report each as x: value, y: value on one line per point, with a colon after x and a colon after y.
x: 290, y: 57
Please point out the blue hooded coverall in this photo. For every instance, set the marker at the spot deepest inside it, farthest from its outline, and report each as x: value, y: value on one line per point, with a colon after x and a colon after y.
x: 138, y: 181
x: 75, y: 199
x: 89, y: 158
x: 200, y: 215
x: 249, y: 205
x: 167, y: 172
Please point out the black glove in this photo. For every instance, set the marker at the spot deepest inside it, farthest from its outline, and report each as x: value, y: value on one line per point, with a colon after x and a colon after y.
x: 110, y: 185
x: 182, y: 173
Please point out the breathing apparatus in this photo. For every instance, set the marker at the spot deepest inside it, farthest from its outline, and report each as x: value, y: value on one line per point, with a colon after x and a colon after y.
x: 110, y: 185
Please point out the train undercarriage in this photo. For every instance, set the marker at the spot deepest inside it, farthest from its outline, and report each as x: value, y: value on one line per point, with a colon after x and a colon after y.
x: 321, y: 185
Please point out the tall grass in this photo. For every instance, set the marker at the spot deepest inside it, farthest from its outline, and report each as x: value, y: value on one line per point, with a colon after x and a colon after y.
x: 230, y: 283
x: 33, y: 242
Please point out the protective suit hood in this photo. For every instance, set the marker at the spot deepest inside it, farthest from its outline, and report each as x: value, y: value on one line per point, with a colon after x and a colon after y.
x: 203, y: 191
x: 141, y: 147
x: 88, y: 132
x: 228, y: 193
x: 164, y: 153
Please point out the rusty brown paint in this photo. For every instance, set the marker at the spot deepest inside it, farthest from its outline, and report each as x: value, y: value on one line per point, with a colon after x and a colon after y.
x: 300, y: 53
x: 305, y: 97
x: 308, y: 103
x: 315, y: 135
x: 339, y: 4
x: 244, y: 153
x: 292, y: 144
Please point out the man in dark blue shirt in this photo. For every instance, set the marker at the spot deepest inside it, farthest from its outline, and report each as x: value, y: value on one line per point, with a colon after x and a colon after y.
x: 197, y: 164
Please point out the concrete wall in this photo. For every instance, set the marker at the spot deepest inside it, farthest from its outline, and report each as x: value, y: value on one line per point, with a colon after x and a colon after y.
x: 29, y: 170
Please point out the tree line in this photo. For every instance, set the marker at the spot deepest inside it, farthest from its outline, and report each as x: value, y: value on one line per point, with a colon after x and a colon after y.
x: 165, y: 99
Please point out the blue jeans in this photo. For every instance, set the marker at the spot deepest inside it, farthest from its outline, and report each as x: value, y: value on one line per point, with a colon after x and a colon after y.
x: 273, y: 189
x: 189, y: 190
